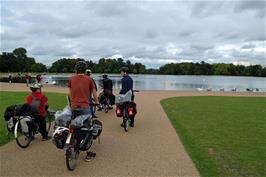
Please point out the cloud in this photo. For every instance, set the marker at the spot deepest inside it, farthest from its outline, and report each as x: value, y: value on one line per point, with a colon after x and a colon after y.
x: 248, y: 46
x: 153, y: 33
x: 257, y: 6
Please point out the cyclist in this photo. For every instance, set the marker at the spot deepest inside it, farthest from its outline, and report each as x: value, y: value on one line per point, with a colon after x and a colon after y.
x: 107, y: 85
x: 127, y: 84
x: 88, y: 73
x: 81, y: 86
x: 39, y: 105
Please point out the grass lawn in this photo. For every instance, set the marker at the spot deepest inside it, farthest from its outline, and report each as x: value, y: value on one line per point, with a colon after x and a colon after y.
x: 224, y: 136
x: 56, y: 101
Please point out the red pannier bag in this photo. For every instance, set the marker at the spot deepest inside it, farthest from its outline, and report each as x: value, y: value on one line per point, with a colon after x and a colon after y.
x: 132, y: 109
x: 119, y: 111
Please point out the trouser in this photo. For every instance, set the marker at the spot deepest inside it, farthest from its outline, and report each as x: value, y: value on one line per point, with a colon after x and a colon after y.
x: 80, y: 111
x: 132, y: 120
x: 27, y: 81
x: 40, y: 120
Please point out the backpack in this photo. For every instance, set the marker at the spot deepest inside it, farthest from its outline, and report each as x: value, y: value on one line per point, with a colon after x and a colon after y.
x: 35, y: 105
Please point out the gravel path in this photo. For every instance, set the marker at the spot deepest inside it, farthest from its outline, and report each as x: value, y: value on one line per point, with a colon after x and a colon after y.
x: 151, y: 148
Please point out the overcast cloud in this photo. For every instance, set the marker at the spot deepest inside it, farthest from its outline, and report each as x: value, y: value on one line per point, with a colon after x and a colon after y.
x: 153, y: 33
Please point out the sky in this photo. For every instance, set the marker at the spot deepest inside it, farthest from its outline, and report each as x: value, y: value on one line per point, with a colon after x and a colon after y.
x: 150, y: 32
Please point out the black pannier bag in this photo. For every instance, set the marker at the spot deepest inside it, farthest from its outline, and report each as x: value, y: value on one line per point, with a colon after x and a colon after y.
x: 84, y: 139
x: 97, y: 128
x: 15, y: 110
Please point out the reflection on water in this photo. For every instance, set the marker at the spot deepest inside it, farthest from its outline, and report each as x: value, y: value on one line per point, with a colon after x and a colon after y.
x: 169, y: 82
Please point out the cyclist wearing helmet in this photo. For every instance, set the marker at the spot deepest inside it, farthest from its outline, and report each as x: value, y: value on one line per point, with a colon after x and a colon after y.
x: 39, y: 105
x: 107, y: 85
x: 127, y: 84
x: 81, y: 86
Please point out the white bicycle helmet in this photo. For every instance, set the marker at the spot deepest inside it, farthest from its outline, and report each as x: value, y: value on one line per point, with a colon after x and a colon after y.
x: 34, y: 87
x: 60, y: 132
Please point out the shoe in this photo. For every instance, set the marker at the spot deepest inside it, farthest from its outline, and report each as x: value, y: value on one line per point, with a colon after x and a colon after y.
x: 131, y: 124
x: 46, y: 138
x: 90, y: 156
x: 94, y: 116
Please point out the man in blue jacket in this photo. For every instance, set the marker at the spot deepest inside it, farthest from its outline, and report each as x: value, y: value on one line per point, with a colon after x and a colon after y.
x: 127, y: 84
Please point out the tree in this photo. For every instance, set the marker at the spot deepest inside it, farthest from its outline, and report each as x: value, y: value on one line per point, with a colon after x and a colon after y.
x: 221, y: 69
x: 38, y: 67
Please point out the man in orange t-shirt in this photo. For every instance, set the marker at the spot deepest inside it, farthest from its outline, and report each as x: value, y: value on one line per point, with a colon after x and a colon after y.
x: 80, y: 86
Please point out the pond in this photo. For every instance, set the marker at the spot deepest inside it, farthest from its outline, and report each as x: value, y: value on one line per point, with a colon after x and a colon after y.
x: 173, y: 82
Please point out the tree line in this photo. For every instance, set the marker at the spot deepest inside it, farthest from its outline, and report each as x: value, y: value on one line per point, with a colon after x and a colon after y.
x: 18, y: 61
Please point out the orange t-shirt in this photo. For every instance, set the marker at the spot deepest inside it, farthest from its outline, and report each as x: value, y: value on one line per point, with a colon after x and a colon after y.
x: 80, y: 87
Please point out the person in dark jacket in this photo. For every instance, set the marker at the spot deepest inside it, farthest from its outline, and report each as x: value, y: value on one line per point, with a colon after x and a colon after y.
x: 126, y: 85
x: 107, y: 85
x: 126, y: 82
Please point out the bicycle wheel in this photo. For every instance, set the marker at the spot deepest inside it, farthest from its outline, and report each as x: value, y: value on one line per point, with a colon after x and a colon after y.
x: 106, y: 106
x: 126, y: 124
x: 72, y: 155
x: 23, y: 139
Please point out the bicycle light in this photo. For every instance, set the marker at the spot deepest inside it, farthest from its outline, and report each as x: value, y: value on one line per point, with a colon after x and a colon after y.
x: 130, y: 112
x: 118, y: 112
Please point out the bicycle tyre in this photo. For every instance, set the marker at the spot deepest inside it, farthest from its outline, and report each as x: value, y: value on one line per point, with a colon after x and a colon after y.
x: 126, y: 124
x: 71, y: 155
x: 19, y: 135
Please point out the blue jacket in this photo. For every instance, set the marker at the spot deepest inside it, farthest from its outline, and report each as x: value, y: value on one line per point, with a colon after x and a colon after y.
x: 127, y: 84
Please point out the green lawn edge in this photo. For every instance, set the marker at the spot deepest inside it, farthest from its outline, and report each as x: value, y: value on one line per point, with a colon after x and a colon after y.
x: 197, y: 154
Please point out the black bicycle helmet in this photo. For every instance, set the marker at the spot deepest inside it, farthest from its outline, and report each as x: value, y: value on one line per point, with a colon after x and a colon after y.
x: 105, y: 76
x: 81, y: 66
x: 124, y: 69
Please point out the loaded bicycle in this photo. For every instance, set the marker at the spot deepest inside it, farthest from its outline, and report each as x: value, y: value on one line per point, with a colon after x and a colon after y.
x: 75, y: 133
x: 26, y: 128
x: 21, y: 123
x: 125, y: 108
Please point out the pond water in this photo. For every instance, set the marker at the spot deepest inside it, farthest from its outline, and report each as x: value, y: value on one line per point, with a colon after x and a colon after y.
x: 171, y: 82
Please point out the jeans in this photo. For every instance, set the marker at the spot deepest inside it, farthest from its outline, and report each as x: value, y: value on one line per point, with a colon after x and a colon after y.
x: 80, y: 111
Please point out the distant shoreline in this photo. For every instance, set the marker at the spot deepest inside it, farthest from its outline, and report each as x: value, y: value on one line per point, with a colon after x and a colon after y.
x: 21, y: 87
x: 116, y: 74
